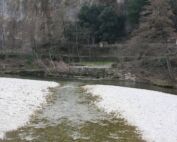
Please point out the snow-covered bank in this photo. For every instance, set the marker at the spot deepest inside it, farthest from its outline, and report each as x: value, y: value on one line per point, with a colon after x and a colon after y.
x: 19, y: 99
x: 154, y: 113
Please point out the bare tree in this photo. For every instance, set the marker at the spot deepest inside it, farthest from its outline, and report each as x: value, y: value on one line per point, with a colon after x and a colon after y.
x: 157, y: 26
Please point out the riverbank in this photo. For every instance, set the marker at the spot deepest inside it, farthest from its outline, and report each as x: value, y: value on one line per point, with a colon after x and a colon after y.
x: 129, y: 71
x: 19, y: 99
x: 99, y: 74
x: 145, y: 109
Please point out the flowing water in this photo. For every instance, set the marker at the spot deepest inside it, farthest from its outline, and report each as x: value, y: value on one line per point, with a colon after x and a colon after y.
x: 71, y: 116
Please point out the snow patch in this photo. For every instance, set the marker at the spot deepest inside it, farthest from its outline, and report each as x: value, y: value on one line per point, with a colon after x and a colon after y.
x: 19, y: 99
x: 153, y: 113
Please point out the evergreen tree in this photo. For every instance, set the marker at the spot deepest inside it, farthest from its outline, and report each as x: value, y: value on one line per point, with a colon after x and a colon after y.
x: 102, y: 21
x: 134, y: 9
x: 174, y: 8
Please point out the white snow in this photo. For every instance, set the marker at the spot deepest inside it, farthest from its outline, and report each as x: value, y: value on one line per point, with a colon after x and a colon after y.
x: 19, y: 99
x: 153, y: 113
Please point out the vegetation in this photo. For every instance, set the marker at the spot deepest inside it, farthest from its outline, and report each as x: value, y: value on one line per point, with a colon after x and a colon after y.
x: 156, y: 21
x: 156, y: 26
x: 102, y: 22
x: 97, y: 23
x: 97, y: 63
x: 173, y: 4
x: 134, y: 9
x: 148, y: 27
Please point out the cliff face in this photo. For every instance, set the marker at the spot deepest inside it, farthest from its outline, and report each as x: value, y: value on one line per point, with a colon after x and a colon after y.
x: 31, y: 23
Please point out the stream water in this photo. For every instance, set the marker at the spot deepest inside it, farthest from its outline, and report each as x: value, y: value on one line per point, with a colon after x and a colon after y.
x: 71, y: 116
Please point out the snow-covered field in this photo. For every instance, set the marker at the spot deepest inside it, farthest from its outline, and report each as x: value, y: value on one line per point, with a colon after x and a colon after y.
x: 19, y: 99
x: 153, y: 113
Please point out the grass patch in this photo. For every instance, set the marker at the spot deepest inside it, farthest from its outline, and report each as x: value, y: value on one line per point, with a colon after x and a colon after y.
x: 97, y: 63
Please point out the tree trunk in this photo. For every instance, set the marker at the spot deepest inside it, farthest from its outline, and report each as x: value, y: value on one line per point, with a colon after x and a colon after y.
x: 169, y: 67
